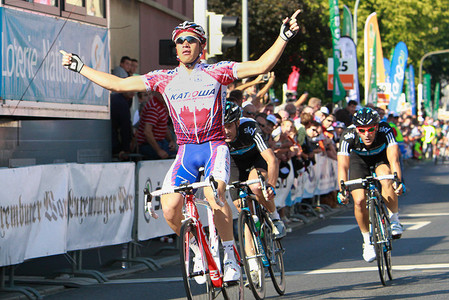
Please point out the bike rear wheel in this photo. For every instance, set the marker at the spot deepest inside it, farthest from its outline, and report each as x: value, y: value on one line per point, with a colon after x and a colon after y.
x: 250, y: 255
x: 388, y: 240
x: 277, y: 270
x: 197, y: 282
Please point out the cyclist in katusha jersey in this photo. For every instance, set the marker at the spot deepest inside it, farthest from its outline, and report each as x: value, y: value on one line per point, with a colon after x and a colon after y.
x: 365, y: 144
x: 249, y: 153
x: 195, y: 94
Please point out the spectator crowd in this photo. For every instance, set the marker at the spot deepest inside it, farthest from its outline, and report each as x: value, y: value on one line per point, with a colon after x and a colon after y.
x: 297, y: 130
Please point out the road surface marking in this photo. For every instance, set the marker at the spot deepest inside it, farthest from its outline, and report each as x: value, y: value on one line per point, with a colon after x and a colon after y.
x: 368, y: 269
x: 334, y: 229
x: 294, y: 273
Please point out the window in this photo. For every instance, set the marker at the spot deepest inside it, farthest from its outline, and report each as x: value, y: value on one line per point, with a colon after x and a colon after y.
x: 90, y: 11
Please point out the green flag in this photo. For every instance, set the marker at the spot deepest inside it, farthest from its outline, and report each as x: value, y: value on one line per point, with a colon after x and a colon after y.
x: 427, y: 93
x: 338, y: 92
x: 437, y: 101
x: 346, y: 29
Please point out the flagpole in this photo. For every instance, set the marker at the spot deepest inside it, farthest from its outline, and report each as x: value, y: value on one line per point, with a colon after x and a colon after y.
x: 420, y: 87
x: 355, y: 21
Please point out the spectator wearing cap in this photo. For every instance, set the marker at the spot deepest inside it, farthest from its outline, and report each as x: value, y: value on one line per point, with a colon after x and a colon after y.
x: 345, y: 114
x: 266, y: 124
x: 321, y: 114
x: 249, y: 110
x: 339, y: 127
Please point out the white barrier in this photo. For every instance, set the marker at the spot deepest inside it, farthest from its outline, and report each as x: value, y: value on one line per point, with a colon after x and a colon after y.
x: 31, y: 223
x: 320, y: 179
x: 100, y: 205
x: 51, y: 209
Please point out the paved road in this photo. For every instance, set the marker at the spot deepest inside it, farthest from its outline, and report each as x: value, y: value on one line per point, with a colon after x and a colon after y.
x: 323, y: 260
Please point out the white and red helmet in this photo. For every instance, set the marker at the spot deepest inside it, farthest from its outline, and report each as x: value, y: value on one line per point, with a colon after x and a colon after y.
x: 189, y: 27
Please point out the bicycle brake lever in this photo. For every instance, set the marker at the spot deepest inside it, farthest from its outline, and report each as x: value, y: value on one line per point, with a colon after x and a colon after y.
x: 214, y: 186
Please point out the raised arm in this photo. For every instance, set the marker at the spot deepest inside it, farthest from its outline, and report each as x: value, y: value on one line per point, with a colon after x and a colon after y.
x: 108, y: 81
x: 267, y: 61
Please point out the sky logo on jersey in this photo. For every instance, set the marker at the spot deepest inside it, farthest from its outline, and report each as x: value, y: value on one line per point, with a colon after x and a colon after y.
x: 194, y: 94
x: 249, y: 130
x: 384, y: 129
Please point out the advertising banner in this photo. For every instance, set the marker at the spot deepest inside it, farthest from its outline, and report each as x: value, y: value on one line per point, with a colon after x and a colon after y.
x: 410, y: 91
x: 346, y: 29
x: 437, y: 101
x: 31, y: 72
x: 427, y: 94
x: 349, y: 52
x: 338, y: 92
x: 397, y: 71
x: 33, y: 212
x: 100, y: 205
x: 372, y: 36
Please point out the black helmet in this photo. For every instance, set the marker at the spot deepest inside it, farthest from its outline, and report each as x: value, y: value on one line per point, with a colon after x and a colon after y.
x: 366, y: 116
x: 232, y: 112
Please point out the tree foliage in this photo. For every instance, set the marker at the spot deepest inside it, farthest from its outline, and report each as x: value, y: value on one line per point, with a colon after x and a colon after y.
x: 421, y: 24
x: 304, y: 51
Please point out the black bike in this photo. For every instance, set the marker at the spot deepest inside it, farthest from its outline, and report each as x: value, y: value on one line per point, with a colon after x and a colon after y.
x: 258, y: 247
x: 380, y: 230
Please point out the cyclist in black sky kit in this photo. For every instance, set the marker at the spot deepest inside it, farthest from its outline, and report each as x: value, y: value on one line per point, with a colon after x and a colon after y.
x: 249, y: 153
x: 365, y: 144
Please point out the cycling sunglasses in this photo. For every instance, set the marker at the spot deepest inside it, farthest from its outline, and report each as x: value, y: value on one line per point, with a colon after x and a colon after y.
x: 370, y: 130
x: 189, y: 38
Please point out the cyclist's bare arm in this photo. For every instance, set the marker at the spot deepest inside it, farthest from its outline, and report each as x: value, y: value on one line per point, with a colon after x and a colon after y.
x: 267, y: 61
x: 106, y: 80
x: 273, y: 166
x: 343, y: 168
x: 393, y: 154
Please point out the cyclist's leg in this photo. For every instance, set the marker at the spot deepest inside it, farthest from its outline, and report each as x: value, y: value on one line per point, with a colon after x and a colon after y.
x: 218, y: 165
x: 184, y: 169
x: 390, y: 197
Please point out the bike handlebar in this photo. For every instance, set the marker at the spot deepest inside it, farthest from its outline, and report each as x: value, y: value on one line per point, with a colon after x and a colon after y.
x: 363, y: 181
x: 187, y: 188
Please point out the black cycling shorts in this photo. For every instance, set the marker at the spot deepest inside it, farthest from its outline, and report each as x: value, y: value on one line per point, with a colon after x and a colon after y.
x: 241, y: 173
x: 359, y: 166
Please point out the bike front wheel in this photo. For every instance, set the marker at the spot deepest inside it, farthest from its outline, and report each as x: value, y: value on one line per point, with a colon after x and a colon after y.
x: 378, y: 242
x: 251, y: 255
x: 195, y: 272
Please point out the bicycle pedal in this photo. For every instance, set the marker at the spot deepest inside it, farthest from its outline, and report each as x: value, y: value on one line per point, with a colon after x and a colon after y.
x: 396, y: 237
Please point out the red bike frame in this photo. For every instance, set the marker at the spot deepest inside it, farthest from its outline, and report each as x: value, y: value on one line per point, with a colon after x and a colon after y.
x: 192, y: 213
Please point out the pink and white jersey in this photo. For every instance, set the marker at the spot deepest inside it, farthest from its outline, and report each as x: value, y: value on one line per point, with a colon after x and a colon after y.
x: 195, y: 101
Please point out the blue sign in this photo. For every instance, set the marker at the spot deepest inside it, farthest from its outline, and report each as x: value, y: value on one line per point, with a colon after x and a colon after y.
x: 411, y: 88
x: 397, y: 74
x: 31, y: 67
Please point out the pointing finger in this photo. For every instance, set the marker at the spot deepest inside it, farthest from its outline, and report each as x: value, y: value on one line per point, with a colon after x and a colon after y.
x: 297, y: 12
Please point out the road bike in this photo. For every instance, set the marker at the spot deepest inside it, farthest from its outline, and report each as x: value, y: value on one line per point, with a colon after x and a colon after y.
x: 380, y: 231
x: 258, y: 247
x: 200, y: 252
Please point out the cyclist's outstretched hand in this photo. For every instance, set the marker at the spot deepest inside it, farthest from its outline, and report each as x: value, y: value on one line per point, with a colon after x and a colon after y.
x: 71, y: 61
x: 289, y: 27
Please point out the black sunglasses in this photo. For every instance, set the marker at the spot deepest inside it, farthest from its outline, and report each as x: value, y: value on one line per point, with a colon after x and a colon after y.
x: 189, y: 38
